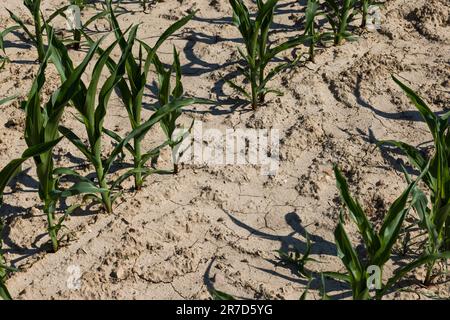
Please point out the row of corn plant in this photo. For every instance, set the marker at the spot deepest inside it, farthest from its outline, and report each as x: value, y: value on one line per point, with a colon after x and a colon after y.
x: 339, y: 15
x: 259, y: 51
x: 92, y: 115
x: 434, y: 214
x: 42, y: 127
x: 41, y: 136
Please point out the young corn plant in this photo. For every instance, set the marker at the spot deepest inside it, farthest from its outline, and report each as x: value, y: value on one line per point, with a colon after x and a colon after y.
x: 312, y: 12
x: 299, y: 260
x: 132, y: 91
x: 340, y: 14
x: 434, y: 215
x: 76, y: 42
x: 165, y: 96
x: 259, y: 51
x: 93, y: 115
x: 41, y: 136
x: 77, y: 32
x: 378, y: 245
x: 34, y: 7
x: 365, y: 5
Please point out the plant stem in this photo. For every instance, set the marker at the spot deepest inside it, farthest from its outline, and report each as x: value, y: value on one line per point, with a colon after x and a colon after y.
x: 77, y: 39
x: 106, y: 196
x: 343, y: 24
x: 44, y: 170
x: 174, y: 158
x: 49, y: 210
x: 311, y: 52
x: 429, y: 274
x: 365, y: 12
x: 137, y: 164
x: 447, y: 234
x: 254, y: 90
x: 138, y: 181
x: 38, y: 34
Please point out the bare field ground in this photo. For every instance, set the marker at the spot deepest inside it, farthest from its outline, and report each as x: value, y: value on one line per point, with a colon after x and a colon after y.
x: 220, y: 226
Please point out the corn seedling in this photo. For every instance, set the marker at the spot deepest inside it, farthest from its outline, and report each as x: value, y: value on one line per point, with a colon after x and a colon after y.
x: 92, y: 116
x: 298, y: 259
x: 259, y: 52
x: 77, y: 32
x: 132, y: 92
x: 41, y: 135
x: 166, y: 95
x: 365, y: 5
x: 312, y: 12
x: 339, y: 14
x: 435, y: 220
x: 378, y: 245
x: 34, y: 7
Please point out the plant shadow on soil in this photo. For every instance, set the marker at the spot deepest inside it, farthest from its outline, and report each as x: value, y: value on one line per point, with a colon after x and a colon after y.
x: 391, y: 154
x: 289, y: 243
x: 410, y: 115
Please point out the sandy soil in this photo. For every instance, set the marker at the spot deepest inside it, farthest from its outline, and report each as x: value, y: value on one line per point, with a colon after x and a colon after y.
x: 220, y: 226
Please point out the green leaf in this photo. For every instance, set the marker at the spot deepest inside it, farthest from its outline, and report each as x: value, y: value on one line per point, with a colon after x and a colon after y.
x: 118, y: 139
x: 4, y: 33
x: 146, y: 126
x: 6, y: 100
x: 77, y: 142
x: 238, y: 88
x: 292, y: 43
x: 400, y: 273
x: 82, y: 187
x: 219, y: 295
x: 10, y: 170
x: 392, y: 224
x: 430, y: 118
x: 371, y: 239
x: 348, y: 255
